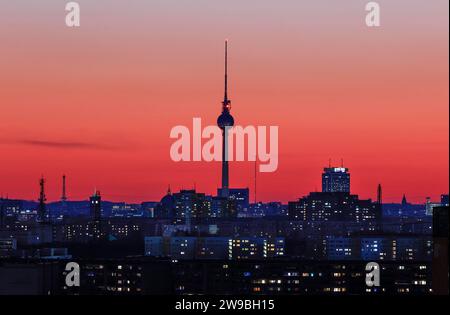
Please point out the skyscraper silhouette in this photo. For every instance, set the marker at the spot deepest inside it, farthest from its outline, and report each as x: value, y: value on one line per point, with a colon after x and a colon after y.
x: 335, y: 179
x: 96, y: 206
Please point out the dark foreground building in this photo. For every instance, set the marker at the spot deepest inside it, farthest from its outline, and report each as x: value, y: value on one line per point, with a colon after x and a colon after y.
x: 162, y: 276
x: 440, y: 252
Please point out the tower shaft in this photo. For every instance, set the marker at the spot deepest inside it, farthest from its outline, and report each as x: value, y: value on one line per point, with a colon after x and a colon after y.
x: 225, y: 179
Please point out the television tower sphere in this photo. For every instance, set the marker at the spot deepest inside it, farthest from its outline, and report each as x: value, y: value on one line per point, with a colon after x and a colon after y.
x: 225, y: 120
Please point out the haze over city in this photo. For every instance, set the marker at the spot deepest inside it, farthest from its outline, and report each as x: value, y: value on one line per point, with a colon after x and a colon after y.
x: 97, y: 103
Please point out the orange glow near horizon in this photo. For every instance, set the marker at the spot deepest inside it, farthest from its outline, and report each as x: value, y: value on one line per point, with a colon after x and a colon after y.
x: 97, y: 103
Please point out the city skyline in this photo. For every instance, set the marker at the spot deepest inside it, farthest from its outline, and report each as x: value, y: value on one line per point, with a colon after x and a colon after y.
x: 325, y: 187
x: 100, y: 111
x: 224, y: 155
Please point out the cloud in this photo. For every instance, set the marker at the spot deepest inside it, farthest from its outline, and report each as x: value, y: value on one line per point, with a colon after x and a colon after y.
x: 67, y: 144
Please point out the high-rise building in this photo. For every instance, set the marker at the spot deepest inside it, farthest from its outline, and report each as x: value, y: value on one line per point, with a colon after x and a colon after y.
x: 335, y: 179
x: 96, y: 206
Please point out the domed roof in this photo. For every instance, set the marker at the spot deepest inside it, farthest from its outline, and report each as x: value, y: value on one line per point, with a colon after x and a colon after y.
x: 168, y: 200
x: 225, y: 120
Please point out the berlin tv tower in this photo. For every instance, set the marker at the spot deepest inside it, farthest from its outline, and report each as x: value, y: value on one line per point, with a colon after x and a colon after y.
x: 225, y: 121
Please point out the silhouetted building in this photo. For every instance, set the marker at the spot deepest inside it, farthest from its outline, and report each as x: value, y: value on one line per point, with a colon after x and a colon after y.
x: 335, y: 179
x: 188, y: 204
x: 222, y: 207
x: 334, y: 206
x: 42, y: 215
x: 188, y: 247
x: 2, y: 214
x: 404, y: 201
x: 444, y: 200
x: 379, y: 248
x: 165, y: 208
x: 96, y: 206
x: 297, y: 210
x: 298, y: 277
x: 149, y: 209
x: 126, y: 210
x: 239, y: 195
x: 7, y: 247
x: 429, y: 206
x: 137, y: 276
x: 440, y: 252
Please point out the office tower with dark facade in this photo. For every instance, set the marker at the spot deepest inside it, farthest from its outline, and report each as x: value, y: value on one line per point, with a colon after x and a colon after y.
x: 335, y: 179
x: 95, y: 206
x: 96, y: 215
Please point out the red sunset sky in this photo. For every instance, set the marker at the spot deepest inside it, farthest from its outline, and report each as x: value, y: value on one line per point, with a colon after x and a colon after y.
x: 98, y: 102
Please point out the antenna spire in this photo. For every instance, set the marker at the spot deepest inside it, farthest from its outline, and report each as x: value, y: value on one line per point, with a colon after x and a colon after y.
x: 64, y: 196
x: 379, y: 195
x: 226, y: 101
x: 255, y: 177
x: 42, y: 199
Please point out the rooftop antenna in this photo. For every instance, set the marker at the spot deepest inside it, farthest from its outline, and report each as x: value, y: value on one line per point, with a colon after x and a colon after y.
x: 342, y: 163
x: 64, y: 197
x: 226, y: 102
x: 379, y: 195
x: 42, y: 199
x: 256, y: 164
